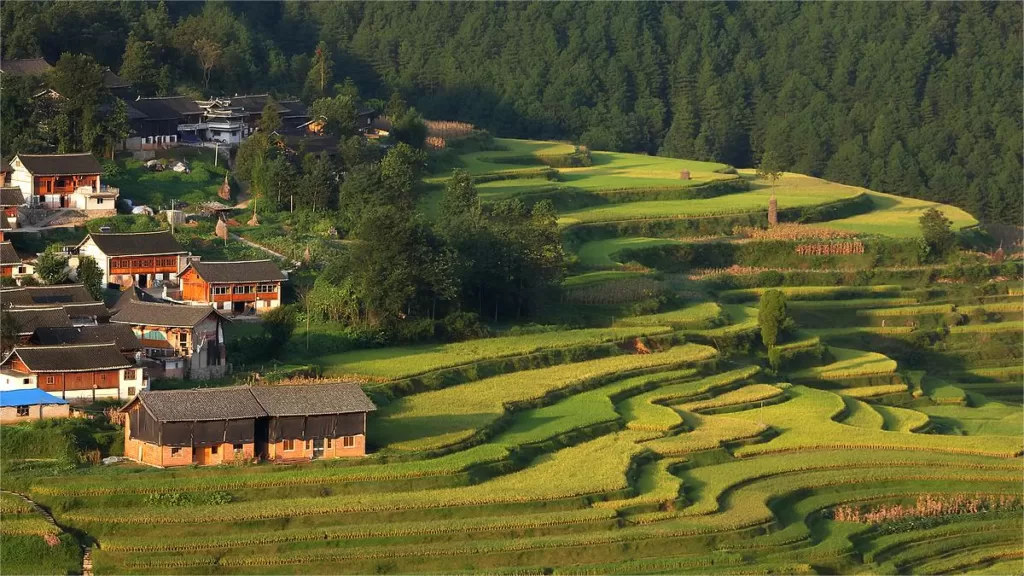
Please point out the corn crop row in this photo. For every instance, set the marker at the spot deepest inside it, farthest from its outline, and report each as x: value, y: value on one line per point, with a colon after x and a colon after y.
x: 830, y: 248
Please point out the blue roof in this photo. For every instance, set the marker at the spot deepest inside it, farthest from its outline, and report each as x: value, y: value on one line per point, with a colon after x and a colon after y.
x: 29, y: 397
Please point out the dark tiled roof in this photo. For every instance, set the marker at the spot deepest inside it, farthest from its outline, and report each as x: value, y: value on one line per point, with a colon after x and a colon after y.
x: 137, y: 243
x: 132, y: 294
x: 166, y: 108
x: 120, y: 334
x: 5, y: 167
x: 29, y: 319
x: 248, y: 271
x: 238, y: 402
x: 313, y: 399
x: 74, y: 310
x: 61, y: 293
x: 60, y: 164
x: 254, y: 103
x: 74, y: 358
x: 234, y: 402
x: 25, y: 66
x: 11, y: 196
x: 156, y: 314
x: 111, y: 80
x: 294, y: 108
x: 8, y: 255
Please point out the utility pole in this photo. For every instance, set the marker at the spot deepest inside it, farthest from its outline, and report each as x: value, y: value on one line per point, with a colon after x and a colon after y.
x: 216, y: 153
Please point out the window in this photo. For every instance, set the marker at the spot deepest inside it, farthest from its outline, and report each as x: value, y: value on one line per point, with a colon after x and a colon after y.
x: 288, y: 445
x: 99, y: 201
x: 175, y: 452
x: 242, y: 290
x: 330, y: 442
x: 267, y: 288
x: 25, y: 381
x: 214, y: 450
x: 129, y: 374
x: 22, y: 410
x: 309, y: 444
x: 348, y: 441
x: 220, y: 290
x: 183, y: 339
x: 237, y: 447
x: 131, y: 390
x: 49, y: 379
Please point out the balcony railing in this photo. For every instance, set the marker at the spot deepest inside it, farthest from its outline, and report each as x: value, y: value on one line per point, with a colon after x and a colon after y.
x: 102, y: 190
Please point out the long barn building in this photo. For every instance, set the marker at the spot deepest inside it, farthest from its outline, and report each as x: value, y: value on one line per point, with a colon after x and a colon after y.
x: 210, y: 426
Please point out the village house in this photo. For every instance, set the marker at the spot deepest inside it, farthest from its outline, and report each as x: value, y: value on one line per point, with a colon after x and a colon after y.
x: 142, y: 259
x: 18, y: 406
x: 5, y: 172
x: 10, y: 263
x: 155, y: 123
x: 78, y: 313
x: 73, y: 372
x: 10, y: 200
x: 210, y: 426
x: 237, y: 287
x: 55, y: 294
x: 177, y: 340
x: 25, y: 321
x: 120, y: 334
x: 63, y: 181
x: 24, y: 67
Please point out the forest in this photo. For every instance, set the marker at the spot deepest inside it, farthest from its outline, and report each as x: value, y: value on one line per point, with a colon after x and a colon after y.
x: 915, y: 99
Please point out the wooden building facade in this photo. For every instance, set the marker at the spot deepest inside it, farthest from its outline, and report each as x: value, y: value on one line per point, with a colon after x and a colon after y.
x: 75, y: 372
x: 62, y: 181
x: 210, y: 426
x: 140, y: 259
x: 193, y: 334
x: 234, y: 287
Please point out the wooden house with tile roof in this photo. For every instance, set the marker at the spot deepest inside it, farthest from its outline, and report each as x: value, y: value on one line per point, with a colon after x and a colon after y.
x: 121, y: 335
x: 10, y: 263
x: 140, y: 259
x: 233, y: 287
x: 53, y: 294
x: 63, y: 181
x: 180, y: 340
x: 209, y: 426
x: 72, y: 372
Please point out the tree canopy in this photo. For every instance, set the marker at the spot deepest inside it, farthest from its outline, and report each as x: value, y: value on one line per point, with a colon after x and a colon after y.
x: 916, y: 99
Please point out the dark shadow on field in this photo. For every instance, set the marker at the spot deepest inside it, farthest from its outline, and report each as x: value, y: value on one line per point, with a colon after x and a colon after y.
x: 388, y: 430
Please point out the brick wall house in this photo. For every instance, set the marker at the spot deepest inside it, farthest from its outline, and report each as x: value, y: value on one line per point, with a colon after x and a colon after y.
x: 210, y: 426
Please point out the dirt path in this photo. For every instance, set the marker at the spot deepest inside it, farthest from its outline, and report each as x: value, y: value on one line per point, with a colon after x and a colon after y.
x: 86, y: 551
x: 267, y: 250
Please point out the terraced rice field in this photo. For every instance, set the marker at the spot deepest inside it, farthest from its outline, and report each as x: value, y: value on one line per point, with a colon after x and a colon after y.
x: 617, y: 464
x: 897, y: 217
x: 580, y: 451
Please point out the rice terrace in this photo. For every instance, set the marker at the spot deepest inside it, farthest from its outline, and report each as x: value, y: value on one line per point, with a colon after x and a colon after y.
x: 401, y: 346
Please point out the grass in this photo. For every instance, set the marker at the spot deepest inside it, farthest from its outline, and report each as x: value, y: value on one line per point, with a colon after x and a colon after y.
x: 862, y: 415
x: 590, y: 278
x: 813, y: 292
x: 849, y: 364
x: 897, y: 217
x: 157, y: 189
x: 792, y: 191
x: 451, y: 415
x: 805, y: 422
x: 987, y: 419
x: 404, y: 361
x: 694, y: 316
x: 602, y: 253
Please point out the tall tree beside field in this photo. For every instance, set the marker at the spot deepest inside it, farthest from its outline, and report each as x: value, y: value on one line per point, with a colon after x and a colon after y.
x: 321, y: 71
x: 139, y: 66
x: 937, y: 232
x: 772, y: 317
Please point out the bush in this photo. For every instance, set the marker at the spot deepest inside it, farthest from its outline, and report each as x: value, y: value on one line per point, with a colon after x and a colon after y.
x: 461, y: 325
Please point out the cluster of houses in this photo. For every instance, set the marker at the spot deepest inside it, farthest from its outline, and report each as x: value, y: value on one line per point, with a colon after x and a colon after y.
x: 62, y: 347
x: 168, y: 322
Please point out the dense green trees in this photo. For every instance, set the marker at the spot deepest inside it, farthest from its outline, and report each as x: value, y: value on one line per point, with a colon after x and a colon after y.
x: 772, y: 317
x: 937, y: 233
x: 910, y: 98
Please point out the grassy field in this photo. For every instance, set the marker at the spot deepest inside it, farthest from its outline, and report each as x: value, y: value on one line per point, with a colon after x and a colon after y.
x: 897, y: 217
x: 157, y: 189
x: 601, y: 253
x: 401, y: 362
x: 792, y: 191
